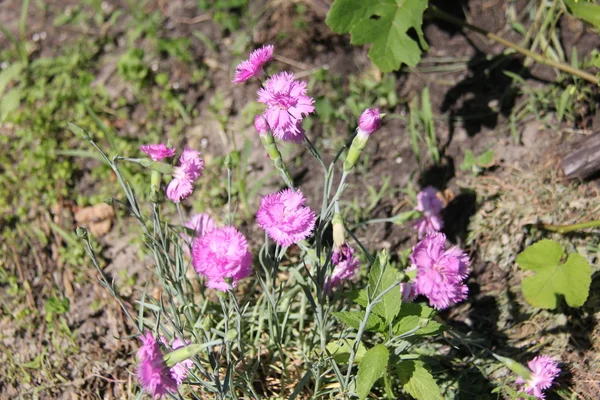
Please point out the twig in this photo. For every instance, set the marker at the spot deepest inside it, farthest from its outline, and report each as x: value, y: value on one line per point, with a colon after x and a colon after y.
x: 437, y: 13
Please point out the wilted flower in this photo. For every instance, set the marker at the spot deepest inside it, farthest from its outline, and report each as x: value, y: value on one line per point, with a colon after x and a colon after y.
x: 222, y: 254
x: 189, y: 170
x: 369, y: 121
x: 440, y: 272
x: 154, y: 374
x: 543, y: 372
x: 431, y: 206
x: 253, y: 67
x: 285, y: 218
x: 158, y: 151
x: 345, y: 266
x: 287, y: 104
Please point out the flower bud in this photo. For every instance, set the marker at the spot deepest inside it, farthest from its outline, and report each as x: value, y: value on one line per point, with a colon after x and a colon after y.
x: 261, y: 125
x: 369, y: 121
x: 339, y: 232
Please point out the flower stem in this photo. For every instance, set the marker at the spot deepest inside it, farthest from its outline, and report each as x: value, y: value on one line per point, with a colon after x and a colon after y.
x: 570, y: 227
x: 437, y: 13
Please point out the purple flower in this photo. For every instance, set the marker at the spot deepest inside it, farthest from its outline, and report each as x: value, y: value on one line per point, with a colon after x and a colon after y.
x: 153, y: 373
x: 222, y: 254
x: 253, y: 67
x: 440, y: 272
x: 189, y: 170
x: 369, y: 121
x: 158, y: 151
x: 285, y: 218
x: 261, y: 125
x: 543, y: 371
x: 345, y: 265
x: 287, y: 104
x: 431, y: 206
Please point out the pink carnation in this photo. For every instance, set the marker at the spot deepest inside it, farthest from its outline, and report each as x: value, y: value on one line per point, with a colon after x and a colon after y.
x: 285, y: 218
x: 189, y: 170
x: 369, y: 121
x: 431, y: 206
x: 253, y: 67
x: 287, y: 104
x: 543, y: 372
x: 345, y: 265
x: 440, y: 272
x: 153, y: 373
x: 222, y: 254
x: 158, y: 151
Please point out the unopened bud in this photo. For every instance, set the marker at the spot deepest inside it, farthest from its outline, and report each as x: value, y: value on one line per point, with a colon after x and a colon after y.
x: 339, y: 233
x: 369, y: 121
x: 261, y: 125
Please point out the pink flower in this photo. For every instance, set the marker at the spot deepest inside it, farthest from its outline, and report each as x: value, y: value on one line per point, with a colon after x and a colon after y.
x: 543, y: 371
x: 253, y: 67
x: 287, y: 104
x: 158, y: 151
x: 261, y: 125
x: 440, y: 272
x: 369, y: 121
x: 345, y: 264
x: 285, y: 219
x: 189, y: 170
x: 200, y: 224
x: 431, y: 206
x: 153, y: 373
x: 408, y: 289
x: 222, y: 254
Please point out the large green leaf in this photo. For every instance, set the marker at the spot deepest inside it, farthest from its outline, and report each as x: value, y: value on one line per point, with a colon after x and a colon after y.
x: 382, y: 276
x: 372, y: 367
x: 571, y: 279
x: 414, y: 315
x: 585, y: 10
x: 340, y: 350
x: 417, y: 380
x: 384, y: 24
x: 354, y: 318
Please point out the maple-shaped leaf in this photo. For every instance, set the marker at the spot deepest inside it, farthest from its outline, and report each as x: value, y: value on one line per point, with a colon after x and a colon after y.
x: 553, y: 278
x: 384, y: 24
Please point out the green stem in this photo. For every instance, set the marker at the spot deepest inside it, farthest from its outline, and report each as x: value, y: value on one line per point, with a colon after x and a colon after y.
x: 570, y: 227
x: 437, y: 13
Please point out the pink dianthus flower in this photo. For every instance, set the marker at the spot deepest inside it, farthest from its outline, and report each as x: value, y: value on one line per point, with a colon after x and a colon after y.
x: 440, y: 272
x: 285, y: 218
x: 154, y: 374
x: 158, y: 151
x: 253, y: 66
x: 369, y: 121
x: 345, y: 266
x: 199, y: 223
x: 543, y: 372
x: 431, y: 206
x: 189, y: 170
x: 222, y: 254
x: 287, y: 104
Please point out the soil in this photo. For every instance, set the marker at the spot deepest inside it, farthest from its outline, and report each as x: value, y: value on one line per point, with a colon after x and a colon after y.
x: 473, y: 107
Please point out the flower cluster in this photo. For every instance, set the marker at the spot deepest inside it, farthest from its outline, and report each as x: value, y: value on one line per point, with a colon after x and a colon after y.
x: 222, y: 255
x: 285, y: 218
x: 440, y: 272
x: 543, y: 372
x: 154, y: 374
x: 345, y: 266
x: 431, y: 206
x: 185, y: 174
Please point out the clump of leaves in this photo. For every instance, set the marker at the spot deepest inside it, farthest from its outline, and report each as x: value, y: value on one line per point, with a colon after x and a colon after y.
x: 384, y: 24
x: 554, y: 278
x: 477, y: 164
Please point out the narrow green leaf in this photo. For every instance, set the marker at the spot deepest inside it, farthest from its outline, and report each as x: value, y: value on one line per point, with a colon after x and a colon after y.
x: 417, y: 380
x: 373, y: 366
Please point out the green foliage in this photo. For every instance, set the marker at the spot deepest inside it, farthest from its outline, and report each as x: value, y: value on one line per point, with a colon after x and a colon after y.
x: 421, y: 119
x: 381, y: 278
x: 384, y: 24
x: 131, y: 66
x: 56, y: 306
x: 373, y: 366
x: 477, y: 164
x: 552, y: 278
x: 417, y: 319
x: 585, y: 10
x: 340, y: 351
x: 226, y: 13
x: 417, y: 380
